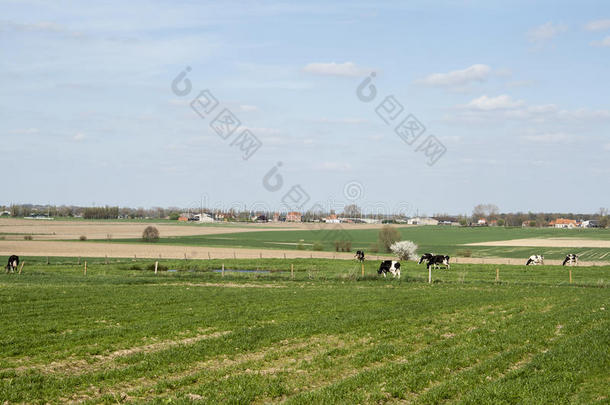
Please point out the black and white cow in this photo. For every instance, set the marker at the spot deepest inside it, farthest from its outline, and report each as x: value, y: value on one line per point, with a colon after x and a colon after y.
x: 425, y: 256
x: 360, y: 255
x: 389, y: 266
x: 435, y: 260
x: 571, y: 260
x: 535, y: 260
x: 13, y: 262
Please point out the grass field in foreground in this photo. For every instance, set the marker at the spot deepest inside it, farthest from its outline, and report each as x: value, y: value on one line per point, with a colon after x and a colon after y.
x: 437, y: 239
x: 125, y: 334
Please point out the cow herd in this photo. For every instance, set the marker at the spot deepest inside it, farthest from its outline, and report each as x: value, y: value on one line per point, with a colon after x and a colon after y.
x: 442, y: 261
x: 387, y: 266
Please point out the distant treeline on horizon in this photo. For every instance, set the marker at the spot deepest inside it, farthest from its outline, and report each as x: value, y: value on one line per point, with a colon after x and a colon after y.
x: 488, y: 212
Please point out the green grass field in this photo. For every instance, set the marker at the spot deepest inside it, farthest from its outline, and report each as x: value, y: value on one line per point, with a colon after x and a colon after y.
x: 445, y: 240
x: 123, y: 334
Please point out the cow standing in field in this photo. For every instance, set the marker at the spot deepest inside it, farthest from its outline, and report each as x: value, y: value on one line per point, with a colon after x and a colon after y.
x: 13, y: 262
x: 570, y: 260
x: 360, y: 255
x: 425, y: 256
x: 389, y: 266
x: 435, y: 261
x: 535, y: 260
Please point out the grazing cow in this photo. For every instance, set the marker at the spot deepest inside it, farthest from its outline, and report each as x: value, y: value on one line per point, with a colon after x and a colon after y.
x: 360, y: 255
x: 13, y: 262
x: 571, y: 260
x: 437, y: 261
x: 390, y: 266
x: 535, y: 260
x: 425, y: 256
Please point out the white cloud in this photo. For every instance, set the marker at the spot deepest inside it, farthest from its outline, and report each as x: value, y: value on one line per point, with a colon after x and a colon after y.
x: 25, y: 131
x: 545, y: 32
x: 551, y: 137
x: 604, y: 42
x: 474, y: 73
x: 78, y: 137
x: 348, y: 69
x: 607, y: 146
x: 353, y: 121
x: 248, y: 108
x: 334, y: 166
x: 501, y: 102
x: 500, y: 109
x: 598, y: 25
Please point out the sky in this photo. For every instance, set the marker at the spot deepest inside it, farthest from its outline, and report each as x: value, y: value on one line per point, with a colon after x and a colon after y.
x: 506, y: 103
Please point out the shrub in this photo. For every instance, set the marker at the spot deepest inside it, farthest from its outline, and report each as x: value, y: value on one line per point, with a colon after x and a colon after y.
x: 343, y: 245
x: 388, y: 236
x: 28, y: 237
x: 82, y: 237
x: 464, y: 253
x: 300, y: 245
x: 318, y: 246
x: 174, y: 216
x: 150, y: 234
x: 405, y: 250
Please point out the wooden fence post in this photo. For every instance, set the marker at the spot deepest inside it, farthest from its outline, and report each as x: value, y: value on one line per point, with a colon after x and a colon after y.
x: 570, y: 275
x: 105, y: 259
x: 284, y: 255
x: 292, y: 271
x: 78, y: 260
x: 362, y: 269
x: 209, y: 257
x: 429, y: 274
x: 234, y: 256
x: 47, y: 260
x: 85, y: 271
x: 21, y: 267
x: 156, y: 266
x: 223, y: 269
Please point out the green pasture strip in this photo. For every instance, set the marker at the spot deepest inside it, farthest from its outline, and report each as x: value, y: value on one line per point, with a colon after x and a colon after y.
x: 331, y: 337
x: 439, y: 240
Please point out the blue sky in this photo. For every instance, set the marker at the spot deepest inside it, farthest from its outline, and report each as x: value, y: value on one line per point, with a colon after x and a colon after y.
x: 516, y: 93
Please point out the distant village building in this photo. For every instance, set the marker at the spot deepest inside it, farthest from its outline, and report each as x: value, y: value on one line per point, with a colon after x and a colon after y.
x: 293, y: 217
x: 422, y: 221
x: 482, y: 222
x: 276, y: 217
x: 590, y: 224
x: 563, y: 223
x: 332, y: 219
x: 203, y: 217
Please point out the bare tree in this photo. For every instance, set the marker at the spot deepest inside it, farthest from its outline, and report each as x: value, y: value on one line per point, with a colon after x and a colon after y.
x: 352, y: 211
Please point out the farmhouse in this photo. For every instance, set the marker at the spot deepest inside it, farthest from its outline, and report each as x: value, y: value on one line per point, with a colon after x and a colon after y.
x: 422, y: 221
x: 203, y: 217
x: 332, y: 219
x: 293, y: 216
x: 563, y: 223
x: 590, y: 224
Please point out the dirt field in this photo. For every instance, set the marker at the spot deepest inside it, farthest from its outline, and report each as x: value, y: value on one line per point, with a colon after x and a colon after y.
x: 65, y: 230
x: 548, y: 242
